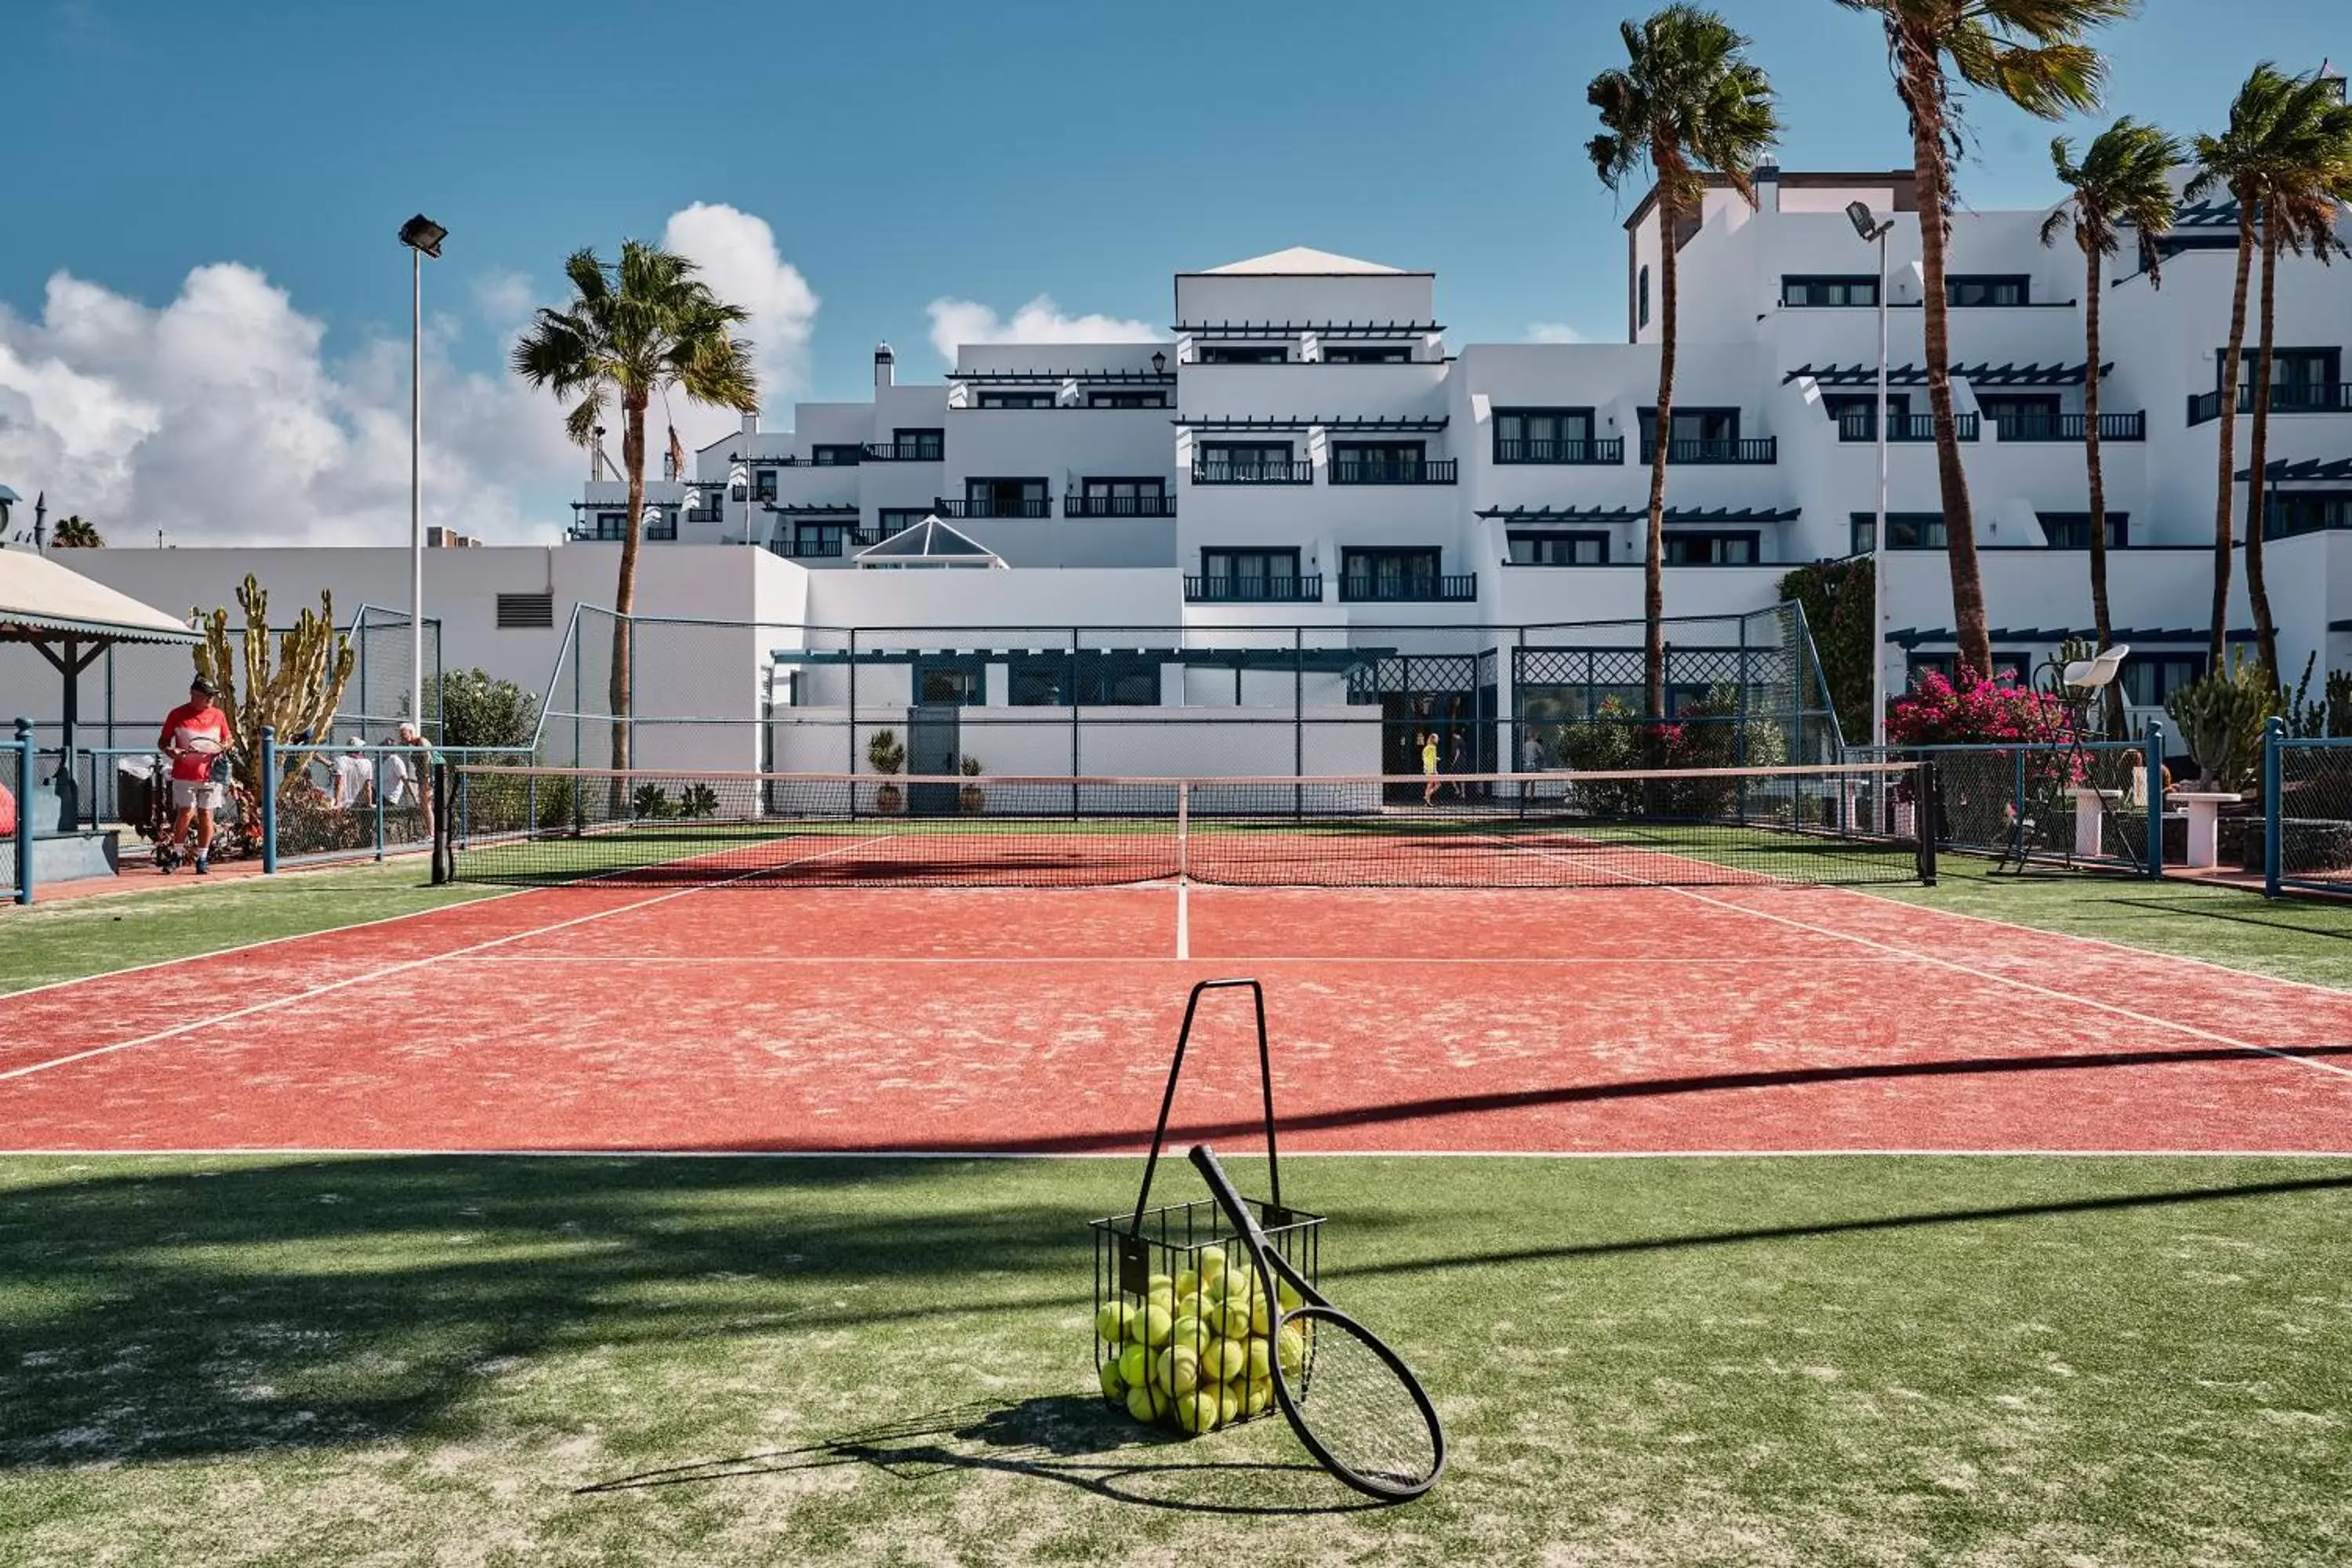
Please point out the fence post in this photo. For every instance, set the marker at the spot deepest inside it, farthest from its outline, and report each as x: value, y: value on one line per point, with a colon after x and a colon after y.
x: 378, y: 805
x: 2274, y: 816
x: 268, y: 800
x: 2155, y: 743
x: 23, y: 811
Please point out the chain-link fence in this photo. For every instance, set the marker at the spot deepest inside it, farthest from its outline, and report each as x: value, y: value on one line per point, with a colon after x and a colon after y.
x: 2303, y: 839
x: 2085, y: 802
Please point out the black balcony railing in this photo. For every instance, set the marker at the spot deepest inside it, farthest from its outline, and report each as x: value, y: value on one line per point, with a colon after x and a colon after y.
x: 1075, y: 505
x: 997, y: 506
x: 1254, y: 471
x: 931, y: 451
x: 589, y: 533
x: 704, y: 514
x: 2069, y: 427
x: 1392, y: 471
x: 1696, y: 450
x: 1436, y: 590
x: 815, y: 549
x: 1300, y: 590
x: 1902, y: 427
x: 1612, y: 450
x: 2292, y: 397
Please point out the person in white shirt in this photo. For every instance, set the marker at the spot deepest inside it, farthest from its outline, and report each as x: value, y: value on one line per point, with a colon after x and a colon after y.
x: 354, y: 777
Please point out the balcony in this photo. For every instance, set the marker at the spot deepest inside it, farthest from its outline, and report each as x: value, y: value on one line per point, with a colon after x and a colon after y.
x: 2314, y: 397
x: 1695, y: 450
x: 1612, y: 450
x: 2071, y: 427
x: 704, y: 514
x: 906, y: 451
x: 1390, y: 471
x: 815, y: 549
x: 1076, y: 505
x: 1902, y: 427
x: 1264, y: 471
x: 996, y: 506
x: 589, y: 533
x: 1300, y: 590
x: 1452, y: 590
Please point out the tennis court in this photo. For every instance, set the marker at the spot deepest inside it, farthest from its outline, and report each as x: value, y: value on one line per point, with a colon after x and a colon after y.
x: 669, y: 985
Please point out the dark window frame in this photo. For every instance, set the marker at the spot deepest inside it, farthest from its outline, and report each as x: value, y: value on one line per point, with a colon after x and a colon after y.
x: 1753, y: 538
x: 968, y: 672
x: 2331, y: 508
x: 1367, y: 353
x: 1232, y: 554
x: 1958, y: 284
x: 1641, y: 298
x: 836, y: 455
x: 2076, y: 526
x: 1242, y: 353
x: 1798, y: 291
x: 1014, y: 397
x: 1572, y: 538
x: 907, y: 517
x: 929, y: 444
x: 1915, y: 524
x: 1118, y: 399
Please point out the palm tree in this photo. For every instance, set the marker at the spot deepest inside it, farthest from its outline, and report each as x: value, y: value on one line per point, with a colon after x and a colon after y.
x: 76, y: 533
x: 2032, y: 53
x: 1686, y: 102
x: 2286, y: 162
x: 2125, y: 181
x: 633, y: 332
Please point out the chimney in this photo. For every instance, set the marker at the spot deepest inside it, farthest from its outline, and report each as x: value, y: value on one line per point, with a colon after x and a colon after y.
x: 1767, y: 179
x: 885, y: 372
x: 751, y: 422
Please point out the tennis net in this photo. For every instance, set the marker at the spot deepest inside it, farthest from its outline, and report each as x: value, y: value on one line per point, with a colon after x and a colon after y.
x: 1810, y: 825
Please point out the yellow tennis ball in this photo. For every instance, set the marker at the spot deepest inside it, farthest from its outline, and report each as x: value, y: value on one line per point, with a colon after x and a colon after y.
x: 1200, y: 1412
x: 1115, y: 1320
x: 1226, y: 1359
x: 1261, y: 1361
x: 1114, y: 1386
x: 1134, y: 1360
x: 1187, y: 1283
x: 1154, y: 1324
x: 1288, y: 1297
x: 1234, y: 1320
x: 1234, y: 1403
x: 1213, y: 1263
x: 1147, y: 1404
x: 1162, y: 1296
x: 1291, y: 1346
x: 1180, y: 1370
x: 1189, y: 1305
x: 1195, y: 1332
x: 1159, y: 1282
x: 1260, y: 1395
x: 1260, y: 1316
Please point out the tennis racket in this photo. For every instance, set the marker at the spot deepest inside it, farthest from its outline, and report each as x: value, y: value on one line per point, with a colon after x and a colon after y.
x: 1355, y: 1405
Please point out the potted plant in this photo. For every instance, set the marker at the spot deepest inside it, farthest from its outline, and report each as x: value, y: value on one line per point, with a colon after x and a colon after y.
x: 972, y: 797
x: 885, y: 753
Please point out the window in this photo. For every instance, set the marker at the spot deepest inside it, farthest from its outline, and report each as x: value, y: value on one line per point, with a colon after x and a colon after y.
x: 1245, y: 462
x: 838, y: 456
x: 1251, y: 354
x: 2302, y: 379
x: 2150, y: 678
x: 1905, y: 531
x: 892, y: 520
x: 1966, y: 293
x: 2286, y: 513
x: 1126, y: 400
x: 919, y: 446
x: 1376, y: 462
x: 1358, y: 354
x: 663, y: 524
x: 763, y: 484
x: 611, y: 525
x: 820, y: 538
x: 2022, y: 417
x: 1542, y: 435
x: 1124, y: 498
x: 1005, y: 497
x: 1389, y: 570
x: 1247, y: 574
x: 2072, y: 529
x: 1559, y: 548
x: 1694, y: 547
x: 1851, y: 415
x: 1699, y: 433
x: 1801, y: 288
x: 526, y: 612
x: 990, y: 398
x: 737, y: 490
x: 950, y: 681
x: 1642, y: 301
x: 1094, y: 680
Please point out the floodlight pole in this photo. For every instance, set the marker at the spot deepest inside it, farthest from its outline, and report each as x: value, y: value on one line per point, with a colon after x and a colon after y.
x: 1878, y: 530
x: 423, y: 237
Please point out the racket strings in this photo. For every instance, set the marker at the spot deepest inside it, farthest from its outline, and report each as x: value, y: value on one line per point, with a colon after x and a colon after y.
x: 1361, y: 1409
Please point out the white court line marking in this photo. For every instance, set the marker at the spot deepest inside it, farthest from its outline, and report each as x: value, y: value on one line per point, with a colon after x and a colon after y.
x: 753, y: 960
x: 1183, y: 918
x: 406, y: 964
x: 1142, y: 1145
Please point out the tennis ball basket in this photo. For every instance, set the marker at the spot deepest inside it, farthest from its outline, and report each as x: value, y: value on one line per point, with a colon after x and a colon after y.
x: 1180, y: 1330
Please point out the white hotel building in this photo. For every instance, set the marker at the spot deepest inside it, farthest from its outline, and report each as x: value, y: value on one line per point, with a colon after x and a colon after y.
x: 1307, y: 450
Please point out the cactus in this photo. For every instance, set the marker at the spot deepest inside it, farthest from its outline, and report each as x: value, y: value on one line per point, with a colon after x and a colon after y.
x: 2221, y: 717
x: 296, y: 694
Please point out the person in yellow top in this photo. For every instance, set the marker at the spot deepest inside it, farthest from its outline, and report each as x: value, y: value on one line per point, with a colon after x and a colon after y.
x: 1429, y: 768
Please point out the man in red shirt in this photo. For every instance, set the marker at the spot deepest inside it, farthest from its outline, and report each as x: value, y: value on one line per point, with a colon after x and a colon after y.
x: 196, y: 736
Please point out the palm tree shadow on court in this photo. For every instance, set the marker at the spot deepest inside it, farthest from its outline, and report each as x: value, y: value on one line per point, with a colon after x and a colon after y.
x: 1072, y: 1440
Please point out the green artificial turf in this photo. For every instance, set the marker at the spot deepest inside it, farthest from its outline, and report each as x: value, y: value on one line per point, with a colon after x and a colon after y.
x: 75, y: 937
x: 2016, y: 1361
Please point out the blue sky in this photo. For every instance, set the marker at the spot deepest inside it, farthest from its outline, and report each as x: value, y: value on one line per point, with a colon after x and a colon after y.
x: 899, y: 156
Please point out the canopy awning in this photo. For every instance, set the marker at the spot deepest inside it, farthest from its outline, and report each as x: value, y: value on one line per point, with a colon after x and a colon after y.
x: 2304, y: 471
x: 42, y: 602
x: 1980, y: 374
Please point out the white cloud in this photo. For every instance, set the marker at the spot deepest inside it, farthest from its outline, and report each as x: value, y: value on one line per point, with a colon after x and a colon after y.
x: 1555, y: 332
x: 955, y: 323
x: 737, y: 254
x: 217, y: 417
x: 505, y: 300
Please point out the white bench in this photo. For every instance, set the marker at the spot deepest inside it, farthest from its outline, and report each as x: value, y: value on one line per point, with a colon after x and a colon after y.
x: 2201, y: 809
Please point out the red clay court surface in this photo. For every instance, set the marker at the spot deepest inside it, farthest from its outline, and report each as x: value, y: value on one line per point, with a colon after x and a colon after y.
x: 714, y: 1019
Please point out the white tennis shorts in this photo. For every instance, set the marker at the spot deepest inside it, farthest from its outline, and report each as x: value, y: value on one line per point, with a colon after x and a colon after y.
x: 195, y: 795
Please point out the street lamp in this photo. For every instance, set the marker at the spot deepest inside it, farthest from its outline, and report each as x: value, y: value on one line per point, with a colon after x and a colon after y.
x: 423, y: 237
x: 1873, y: 232
x: 1159, y: 363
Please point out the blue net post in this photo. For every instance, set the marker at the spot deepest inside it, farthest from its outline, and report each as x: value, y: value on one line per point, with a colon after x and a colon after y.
x: 2154, y: 741
x: 2274, y: 778
x: 268, y: 800
x: 23, y: 811
x: 379, y: 804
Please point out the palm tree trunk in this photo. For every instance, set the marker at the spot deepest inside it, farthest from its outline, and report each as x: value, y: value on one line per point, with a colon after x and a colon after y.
x: 1654, y: 560
x: 2225, y: 482
x: 2098, y: 477
x: 1928, y: 154
x: 2258, y: 451
x: 625, y: 592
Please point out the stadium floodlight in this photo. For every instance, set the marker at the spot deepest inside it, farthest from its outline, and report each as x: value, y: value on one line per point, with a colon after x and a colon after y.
x: 423, y: 237
x: 421, y: 233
